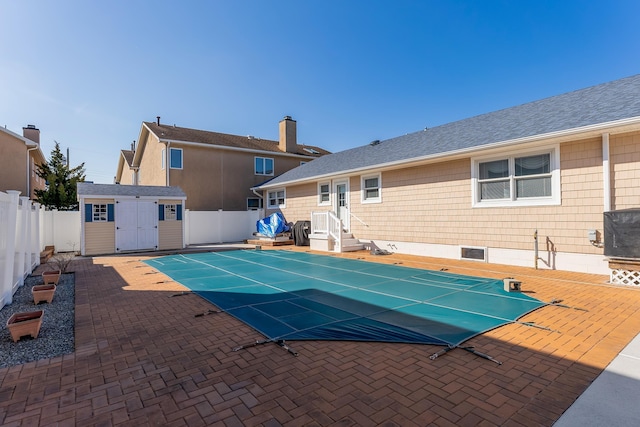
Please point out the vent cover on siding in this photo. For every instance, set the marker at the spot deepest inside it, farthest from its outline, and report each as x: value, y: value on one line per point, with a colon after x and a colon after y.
x: 473, y: 253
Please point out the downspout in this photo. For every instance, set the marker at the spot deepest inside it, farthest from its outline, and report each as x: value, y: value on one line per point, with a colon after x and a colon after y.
x: 606, y: 173
x: 28, y: 174
x: 167, y: 157
x: 263, y: 210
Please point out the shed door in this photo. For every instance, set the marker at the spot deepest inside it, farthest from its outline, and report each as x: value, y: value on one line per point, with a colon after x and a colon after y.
x: 136, y: 225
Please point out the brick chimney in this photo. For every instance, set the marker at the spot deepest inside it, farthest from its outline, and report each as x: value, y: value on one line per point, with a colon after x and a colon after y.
x: 288, y: 139
x: 31, y: 132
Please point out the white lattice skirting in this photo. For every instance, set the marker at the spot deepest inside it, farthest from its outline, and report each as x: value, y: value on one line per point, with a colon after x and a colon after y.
x: 625, y: 277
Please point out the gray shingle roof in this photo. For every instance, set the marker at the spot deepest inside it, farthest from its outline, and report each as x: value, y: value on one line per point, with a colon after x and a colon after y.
x: 115, y: 190
x: 595, y: 105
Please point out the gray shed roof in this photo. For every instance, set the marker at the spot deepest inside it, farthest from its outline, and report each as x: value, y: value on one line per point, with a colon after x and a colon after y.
x: 604, y: 103
x: 115, y: 190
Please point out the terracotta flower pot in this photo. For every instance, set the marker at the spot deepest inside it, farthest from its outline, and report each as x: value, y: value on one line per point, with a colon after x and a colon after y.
x: 26, y: 323
x: 51, y: 276
x: 43, y: 293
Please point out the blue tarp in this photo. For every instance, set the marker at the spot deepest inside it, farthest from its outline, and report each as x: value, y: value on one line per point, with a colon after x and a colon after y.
x: 301, y: 296
x: 272, y: 225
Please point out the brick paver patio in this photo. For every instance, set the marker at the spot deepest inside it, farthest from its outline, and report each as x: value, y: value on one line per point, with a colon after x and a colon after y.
x: 143, y: 358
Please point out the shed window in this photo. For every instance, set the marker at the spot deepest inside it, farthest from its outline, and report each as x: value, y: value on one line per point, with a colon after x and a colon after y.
x: 99, y: 213
x: 170, y: 212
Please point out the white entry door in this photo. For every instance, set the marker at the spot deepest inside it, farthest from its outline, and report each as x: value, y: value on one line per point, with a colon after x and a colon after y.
x: 341, y: 190
x: 136, y: 225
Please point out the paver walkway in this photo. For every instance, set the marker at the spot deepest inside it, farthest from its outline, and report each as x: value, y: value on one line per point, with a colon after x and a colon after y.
x: 143, y: 358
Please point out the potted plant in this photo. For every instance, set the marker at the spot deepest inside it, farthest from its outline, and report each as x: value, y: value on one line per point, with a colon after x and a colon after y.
x: 26, y: 323
x: 51, y: 276
x: 43, y: 293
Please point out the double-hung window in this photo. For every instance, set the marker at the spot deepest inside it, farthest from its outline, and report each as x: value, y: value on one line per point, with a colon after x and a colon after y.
x: 263, y: 166
x: 276, y: 199
x: 371, y: 189
x: 518, y: 179
x: 324, y: 194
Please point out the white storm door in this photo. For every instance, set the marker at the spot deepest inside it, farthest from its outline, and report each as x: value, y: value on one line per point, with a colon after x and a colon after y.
x: 126, y: 216
x: 147, y: 225
x: 341, y: 190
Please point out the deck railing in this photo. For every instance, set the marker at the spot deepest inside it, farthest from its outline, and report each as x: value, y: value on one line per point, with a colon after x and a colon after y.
x: 327, y: 223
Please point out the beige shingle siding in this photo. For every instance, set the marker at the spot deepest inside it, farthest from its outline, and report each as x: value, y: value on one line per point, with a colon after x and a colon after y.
x: 432, y: 204
x: 625, y: 169
x: 100, y: 238
x: 169, y: 235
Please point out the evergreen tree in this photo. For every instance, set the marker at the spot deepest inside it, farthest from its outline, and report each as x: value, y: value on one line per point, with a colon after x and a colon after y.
x: 61, y: 182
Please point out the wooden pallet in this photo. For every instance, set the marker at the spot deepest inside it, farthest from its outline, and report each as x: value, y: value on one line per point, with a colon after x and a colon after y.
x: 270, y: 242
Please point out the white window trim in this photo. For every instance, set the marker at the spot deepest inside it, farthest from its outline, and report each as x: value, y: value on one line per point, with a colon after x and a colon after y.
x: 169, y: 213
x: 554, y: 199
x: 97, y: 212
x: 273, y: 168
x: 260, y: 203
x: 181, y: 158
x: 363, y: 197
x: 328, y: 202
x: 278, y: 206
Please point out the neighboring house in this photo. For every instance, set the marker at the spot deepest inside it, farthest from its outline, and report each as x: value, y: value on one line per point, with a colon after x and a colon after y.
x: 19, y: 156
x: 127, y: 172
x: 126, y: 218
x: 526, y: 185
x: 215, y: 170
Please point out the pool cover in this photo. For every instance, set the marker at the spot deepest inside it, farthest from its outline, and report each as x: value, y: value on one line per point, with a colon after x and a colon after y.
x: 299, y: 296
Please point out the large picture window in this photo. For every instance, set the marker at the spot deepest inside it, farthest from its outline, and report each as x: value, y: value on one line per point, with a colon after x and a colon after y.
x: 520, y: 179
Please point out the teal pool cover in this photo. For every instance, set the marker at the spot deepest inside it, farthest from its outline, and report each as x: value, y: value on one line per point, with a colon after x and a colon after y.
x: 289, y: 295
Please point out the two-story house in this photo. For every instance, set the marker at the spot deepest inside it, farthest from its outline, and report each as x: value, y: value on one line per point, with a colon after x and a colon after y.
x: 215, y: 170
x: 19, y: 156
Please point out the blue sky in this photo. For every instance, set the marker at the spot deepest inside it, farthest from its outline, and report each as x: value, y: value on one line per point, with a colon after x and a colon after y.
x: 88, y: 73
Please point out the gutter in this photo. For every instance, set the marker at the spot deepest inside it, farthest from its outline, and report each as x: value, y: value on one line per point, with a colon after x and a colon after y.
x: 451, y: 155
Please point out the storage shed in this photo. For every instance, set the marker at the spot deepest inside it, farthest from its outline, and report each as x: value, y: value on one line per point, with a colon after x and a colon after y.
x: 126, y: 218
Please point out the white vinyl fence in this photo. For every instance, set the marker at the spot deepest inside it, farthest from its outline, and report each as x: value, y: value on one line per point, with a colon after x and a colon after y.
x: 202, y: 227
x: 26, y: 229
x: 19, y: 242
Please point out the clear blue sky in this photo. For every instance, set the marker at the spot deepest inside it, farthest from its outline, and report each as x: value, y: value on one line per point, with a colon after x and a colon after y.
x: 88, y: 73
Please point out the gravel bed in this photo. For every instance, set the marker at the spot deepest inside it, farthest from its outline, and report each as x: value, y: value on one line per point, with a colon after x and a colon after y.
x: 56, y: 337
